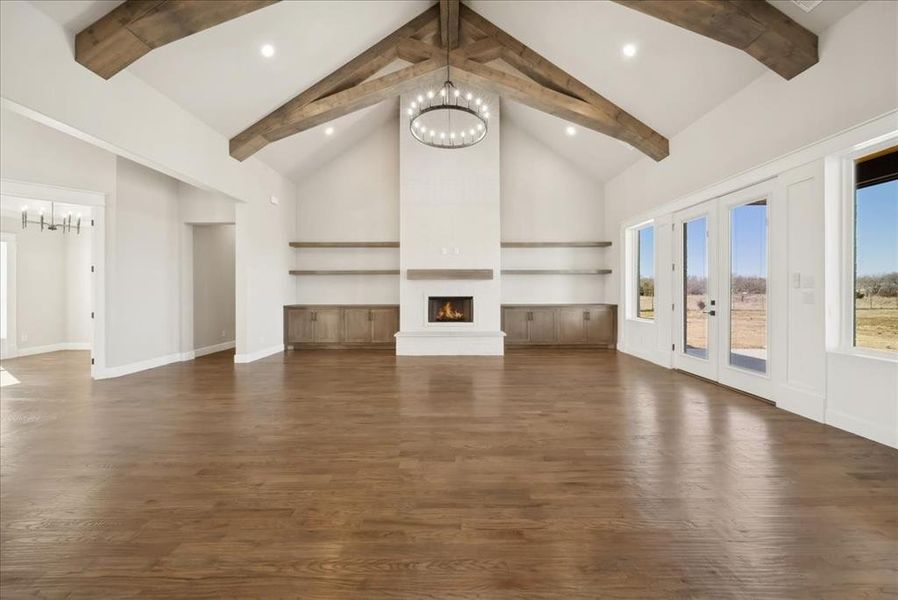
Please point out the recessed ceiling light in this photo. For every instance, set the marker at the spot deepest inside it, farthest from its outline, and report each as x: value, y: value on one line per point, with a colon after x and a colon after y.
x: 571, y: 130
x: 329, y: 131
x: 629, y: 50
x: 267, y: 50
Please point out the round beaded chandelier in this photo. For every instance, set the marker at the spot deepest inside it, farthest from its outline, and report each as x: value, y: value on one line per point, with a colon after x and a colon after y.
x: 449, y: 118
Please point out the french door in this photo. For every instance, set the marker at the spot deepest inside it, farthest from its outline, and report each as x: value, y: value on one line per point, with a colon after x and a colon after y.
x: 721, y: 323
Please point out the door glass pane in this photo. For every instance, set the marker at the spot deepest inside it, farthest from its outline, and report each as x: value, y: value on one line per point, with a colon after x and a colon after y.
x: 645, y: 273
x: 748, y: 287
x: 695, y: 287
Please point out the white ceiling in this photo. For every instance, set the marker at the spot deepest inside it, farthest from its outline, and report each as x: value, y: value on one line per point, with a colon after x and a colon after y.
x: 220, y: 76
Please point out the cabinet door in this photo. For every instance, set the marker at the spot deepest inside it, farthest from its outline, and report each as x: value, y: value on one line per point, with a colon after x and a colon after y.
x: 542, y: 325
x: 385, y: 323
x: 600, y: 326
x: 515, y: 325
x: 572, y: 325
x: 328, y: 325
x: 356, y: 325
x: 300, y: 327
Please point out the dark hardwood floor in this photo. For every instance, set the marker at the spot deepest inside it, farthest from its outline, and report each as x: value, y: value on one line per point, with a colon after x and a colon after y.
x: 344, y: 475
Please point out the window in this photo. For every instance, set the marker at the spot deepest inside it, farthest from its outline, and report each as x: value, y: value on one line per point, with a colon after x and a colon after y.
x: 876, y: 251
x: 645, y: 273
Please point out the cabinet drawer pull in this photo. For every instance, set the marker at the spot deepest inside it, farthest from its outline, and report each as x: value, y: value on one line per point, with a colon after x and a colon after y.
x: 586, y: 316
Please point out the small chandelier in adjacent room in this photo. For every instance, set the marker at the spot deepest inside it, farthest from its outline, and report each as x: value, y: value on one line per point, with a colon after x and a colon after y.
x: 449, y: 118
x: 65, y: 224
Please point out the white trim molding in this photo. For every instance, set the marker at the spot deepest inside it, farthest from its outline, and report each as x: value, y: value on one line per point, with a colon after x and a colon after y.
x: 249, y: 357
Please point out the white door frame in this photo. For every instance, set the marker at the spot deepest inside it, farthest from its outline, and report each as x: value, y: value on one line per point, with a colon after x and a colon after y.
x: 707, y: 367
x: 24, y: 190
x: 718, y: 367
x: 9, y: 347
x: 753, y: 382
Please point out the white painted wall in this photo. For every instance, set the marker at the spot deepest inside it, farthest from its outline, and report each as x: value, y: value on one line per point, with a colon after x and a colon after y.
x: 354, y: 197
x: 544, y: 197
x: 768, y: 118
x: 79, y: 291
x: 213, y: 287
x: 449, y: 215
x: 53, y: 291
x: 40, y: 287
x: 34, y: 50
x: 144, y: 253
x: 726, y: 150
x: 547, y: 198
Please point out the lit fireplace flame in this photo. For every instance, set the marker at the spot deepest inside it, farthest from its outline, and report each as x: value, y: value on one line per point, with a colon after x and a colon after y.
x: 447, y: 312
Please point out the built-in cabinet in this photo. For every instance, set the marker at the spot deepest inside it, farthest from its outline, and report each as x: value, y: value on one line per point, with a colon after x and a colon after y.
x: 560, y: 325
x: 340, y: 326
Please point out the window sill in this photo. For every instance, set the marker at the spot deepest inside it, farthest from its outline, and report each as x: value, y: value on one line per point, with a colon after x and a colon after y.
x: 881, y: 356
x: 641, y: 320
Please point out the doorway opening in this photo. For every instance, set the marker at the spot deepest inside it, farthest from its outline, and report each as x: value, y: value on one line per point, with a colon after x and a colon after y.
x: 214, y: 288
x: 49, y: 286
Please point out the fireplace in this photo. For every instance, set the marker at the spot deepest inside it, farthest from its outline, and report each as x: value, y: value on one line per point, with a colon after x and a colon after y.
x: 450, y: 309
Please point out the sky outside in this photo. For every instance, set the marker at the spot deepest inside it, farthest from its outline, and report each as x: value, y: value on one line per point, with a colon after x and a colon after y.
x: 876, y: 223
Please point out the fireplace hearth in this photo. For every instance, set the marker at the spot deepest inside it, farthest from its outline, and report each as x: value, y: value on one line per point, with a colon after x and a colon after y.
x: 450, y: 309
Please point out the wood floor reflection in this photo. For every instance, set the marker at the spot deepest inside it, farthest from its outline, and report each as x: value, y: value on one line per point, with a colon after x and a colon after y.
x: 329, y: 474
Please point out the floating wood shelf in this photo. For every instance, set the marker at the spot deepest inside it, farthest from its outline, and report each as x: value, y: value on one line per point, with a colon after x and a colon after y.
x: 556, y: 271
x: 450, y: 274
x: 344, y: 244
x: 555, y: 244
x: 348, y: 272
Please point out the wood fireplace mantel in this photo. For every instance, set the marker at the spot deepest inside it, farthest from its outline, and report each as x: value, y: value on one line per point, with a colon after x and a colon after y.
x: 449, y: 274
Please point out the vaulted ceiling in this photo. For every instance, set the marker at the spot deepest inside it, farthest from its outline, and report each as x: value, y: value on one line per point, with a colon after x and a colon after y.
x: 219, y: 75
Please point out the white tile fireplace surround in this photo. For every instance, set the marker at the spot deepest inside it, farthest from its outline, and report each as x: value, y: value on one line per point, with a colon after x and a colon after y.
x: 449, y: 220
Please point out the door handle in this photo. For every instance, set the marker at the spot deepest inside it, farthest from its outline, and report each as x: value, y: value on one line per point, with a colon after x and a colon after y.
x: 710, y: 312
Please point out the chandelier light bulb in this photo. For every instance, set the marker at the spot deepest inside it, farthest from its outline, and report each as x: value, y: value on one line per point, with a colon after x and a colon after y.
x: 486, y: 115
x: 443, y: 92
x: 410, y: 111
x: 420, y: 98
x: 432, y: 132
x: 430, y: 94
x: 442, y: 135
x: 414, y: 104
x: 457, y: 93
x: 485, y: 108
x: 477, y: 102
x: 468, y: 96
x: 452, y: 135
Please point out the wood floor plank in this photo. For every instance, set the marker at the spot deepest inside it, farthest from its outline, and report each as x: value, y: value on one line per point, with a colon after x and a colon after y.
x: 358, y: 474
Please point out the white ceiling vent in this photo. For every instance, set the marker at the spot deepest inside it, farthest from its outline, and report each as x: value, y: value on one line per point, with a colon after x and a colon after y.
x: 807, y: 5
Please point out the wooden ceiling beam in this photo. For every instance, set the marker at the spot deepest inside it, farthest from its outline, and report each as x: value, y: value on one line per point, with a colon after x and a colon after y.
x: 356, y: 98
x: 603, y: 116
x: 133, y: 28
x: 753, y: 26
x: 256, y: 136
x: 561, y: 105
x: 449, y: 23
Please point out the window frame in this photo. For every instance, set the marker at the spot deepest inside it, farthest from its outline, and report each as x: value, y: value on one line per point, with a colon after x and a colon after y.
x: 847, y: 206
x: 635, y: 297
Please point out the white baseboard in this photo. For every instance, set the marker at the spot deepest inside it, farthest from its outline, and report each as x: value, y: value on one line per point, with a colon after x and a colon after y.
x: 804, y: 403
x: 868, y: 429
x: 211, y: 349
x: 659, y: 357
x: 253, y: 356
x: 143, y: 365
x: 20, y: 352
